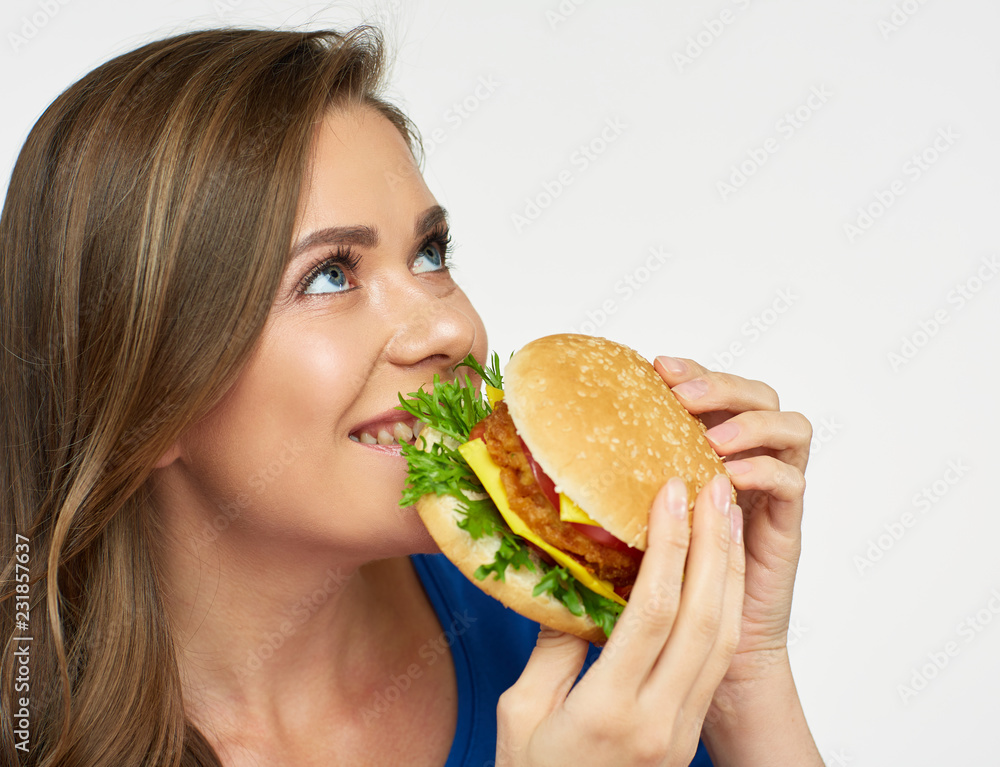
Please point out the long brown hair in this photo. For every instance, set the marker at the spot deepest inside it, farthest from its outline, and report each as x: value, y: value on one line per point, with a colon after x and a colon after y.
x: 146, y: 226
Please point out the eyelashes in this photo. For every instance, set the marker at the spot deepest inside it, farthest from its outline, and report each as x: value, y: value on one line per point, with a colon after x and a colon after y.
x: 441, y: 237
x: 343, y: 257
x: 443, y: 240
x: 348, y: 260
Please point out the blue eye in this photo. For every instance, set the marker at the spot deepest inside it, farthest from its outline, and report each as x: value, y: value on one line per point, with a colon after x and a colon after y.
x: 328, y: 277
x: 429, y: 259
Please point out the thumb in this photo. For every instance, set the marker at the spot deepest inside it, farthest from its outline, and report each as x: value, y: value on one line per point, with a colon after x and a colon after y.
x: 553, y: 667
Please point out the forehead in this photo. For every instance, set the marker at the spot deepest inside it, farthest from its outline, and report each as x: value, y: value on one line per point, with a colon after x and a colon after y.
x: 360, y: 171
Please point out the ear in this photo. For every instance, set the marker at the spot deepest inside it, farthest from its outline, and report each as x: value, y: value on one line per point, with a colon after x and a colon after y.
x: 172, y: 454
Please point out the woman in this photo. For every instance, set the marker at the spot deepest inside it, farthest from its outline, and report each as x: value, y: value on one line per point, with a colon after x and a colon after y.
x: 220, y: 266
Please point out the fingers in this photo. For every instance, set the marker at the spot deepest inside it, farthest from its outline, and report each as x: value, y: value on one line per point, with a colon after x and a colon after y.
x: 758, y: 423
x: 652, y: 606
x: 784, y: 484
x: 644, y: 700
x: 547, y: 678
x: 704, y: 391
x: 786, y: 433
x: 771, y: 475
x: 761, y: 428
x: 728, y: 635
x: 706, y: 625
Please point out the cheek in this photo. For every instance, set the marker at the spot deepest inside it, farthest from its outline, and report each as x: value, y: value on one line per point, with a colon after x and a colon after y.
x: 308, y: 378
x: 299, y: 382
x: 280, y: 423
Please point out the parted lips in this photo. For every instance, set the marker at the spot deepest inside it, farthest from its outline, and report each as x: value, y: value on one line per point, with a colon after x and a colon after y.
x: 602, y: 423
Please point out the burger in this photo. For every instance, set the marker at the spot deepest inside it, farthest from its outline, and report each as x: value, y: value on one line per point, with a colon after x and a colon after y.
x: 540, y: 491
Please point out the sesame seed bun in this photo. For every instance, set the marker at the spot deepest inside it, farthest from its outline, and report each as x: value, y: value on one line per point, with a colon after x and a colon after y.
x: 605, y: 427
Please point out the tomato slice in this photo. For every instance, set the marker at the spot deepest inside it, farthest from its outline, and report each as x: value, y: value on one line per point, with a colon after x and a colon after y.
x: 544, y: 482
x: 604, y: 538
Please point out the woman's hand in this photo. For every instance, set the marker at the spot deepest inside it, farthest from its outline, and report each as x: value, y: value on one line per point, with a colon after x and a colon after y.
x: 766, y: 451
x: 644, y: 700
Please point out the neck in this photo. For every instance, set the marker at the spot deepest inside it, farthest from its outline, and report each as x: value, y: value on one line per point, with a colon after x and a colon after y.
x: 274, y: 629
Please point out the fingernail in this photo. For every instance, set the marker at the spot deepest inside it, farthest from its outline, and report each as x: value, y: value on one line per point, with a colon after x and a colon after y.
x: 723, y: 432
x: 722, y: 493
x: 672, y: 364
x: 736, y: 526
x: 738, y: 467
x: 677, y: 502
x: 691, y: 389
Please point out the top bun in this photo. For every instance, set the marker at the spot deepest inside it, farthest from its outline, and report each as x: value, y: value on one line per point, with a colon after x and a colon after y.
x: 606, y: 428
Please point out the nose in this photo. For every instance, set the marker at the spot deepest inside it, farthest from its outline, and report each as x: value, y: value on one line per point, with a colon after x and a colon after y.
x: 433, y: 331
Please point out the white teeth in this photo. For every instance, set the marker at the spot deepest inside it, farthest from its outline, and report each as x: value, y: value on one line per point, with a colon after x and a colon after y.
x: 417, y: 428
x: 353, y: 438
x: 388, y: 435
x: 402, y: 432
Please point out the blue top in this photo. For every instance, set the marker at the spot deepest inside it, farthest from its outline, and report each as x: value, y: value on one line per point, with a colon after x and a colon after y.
x: 490, y: 645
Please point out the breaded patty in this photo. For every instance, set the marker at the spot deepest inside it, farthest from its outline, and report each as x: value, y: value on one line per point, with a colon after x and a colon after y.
x: 530, y: 503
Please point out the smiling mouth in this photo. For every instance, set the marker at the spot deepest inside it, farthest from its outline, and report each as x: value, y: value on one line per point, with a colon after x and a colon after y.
x: 389, y: 433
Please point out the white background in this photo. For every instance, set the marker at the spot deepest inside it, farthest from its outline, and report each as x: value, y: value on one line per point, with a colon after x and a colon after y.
x: 697, y: 88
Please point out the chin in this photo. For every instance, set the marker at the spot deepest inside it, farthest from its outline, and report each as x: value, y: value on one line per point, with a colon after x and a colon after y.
x: 421, y: 541
x: 407, y: 535
x: 427, y: 545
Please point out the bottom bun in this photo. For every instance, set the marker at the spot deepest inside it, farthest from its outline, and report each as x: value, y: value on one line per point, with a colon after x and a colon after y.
x: 440, y: 515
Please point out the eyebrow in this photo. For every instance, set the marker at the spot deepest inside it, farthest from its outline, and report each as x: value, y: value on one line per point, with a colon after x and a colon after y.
x: 365, y: 236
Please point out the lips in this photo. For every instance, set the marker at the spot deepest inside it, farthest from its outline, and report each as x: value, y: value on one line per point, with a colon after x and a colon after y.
x: 389, y: 429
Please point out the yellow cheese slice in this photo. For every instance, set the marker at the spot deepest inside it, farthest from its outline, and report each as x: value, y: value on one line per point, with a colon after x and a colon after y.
x: 477, y: 456
x: 570, y: 512
x: 494, y: 395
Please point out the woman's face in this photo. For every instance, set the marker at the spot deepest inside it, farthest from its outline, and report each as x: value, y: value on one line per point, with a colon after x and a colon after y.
x: 366, y: 309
